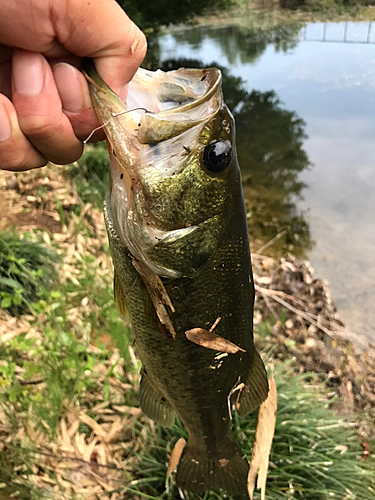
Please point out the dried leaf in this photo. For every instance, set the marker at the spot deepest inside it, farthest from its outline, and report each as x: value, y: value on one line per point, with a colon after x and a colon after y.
x: 210, y: 340
x: 366, y: 451
x: 97, y: 428
x: 176, y: 455
x: 117, y: 426
x: 263, y: 442
x: 158, y: 294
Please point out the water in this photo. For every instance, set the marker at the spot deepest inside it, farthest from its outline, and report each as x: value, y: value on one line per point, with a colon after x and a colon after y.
x: 304, y: 101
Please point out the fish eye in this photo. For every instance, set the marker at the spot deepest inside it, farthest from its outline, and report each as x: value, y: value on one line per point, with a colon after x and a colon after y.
x: 217, y: 156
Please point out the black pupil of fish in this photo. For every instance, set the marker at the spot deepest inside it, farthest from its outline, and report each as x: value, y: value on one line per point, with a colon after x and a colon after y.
x: 217, y: 156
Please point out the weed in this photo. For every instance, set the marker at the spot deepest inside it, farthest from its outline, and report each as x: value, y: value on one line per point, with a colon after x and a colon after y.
x: 27, y: 268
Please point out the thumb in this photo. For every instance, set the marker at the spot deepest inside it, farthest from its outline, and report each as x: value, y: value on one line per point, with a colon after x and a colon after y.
x: 100, y: 29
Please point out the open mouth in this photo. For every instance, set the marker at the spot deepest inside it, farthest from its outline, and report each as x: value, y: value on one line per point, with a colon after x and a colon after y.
x: 176, y: 101
x: 151, y: 140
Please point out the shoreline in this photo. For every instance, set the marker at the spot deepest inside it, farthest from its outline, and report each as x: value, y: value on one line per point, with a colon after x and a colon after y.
x: 303, y: 323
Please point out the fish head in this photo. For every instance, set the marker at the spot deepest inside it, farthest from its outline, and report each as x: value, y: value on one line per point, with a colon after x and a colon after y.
x: 173, y: 166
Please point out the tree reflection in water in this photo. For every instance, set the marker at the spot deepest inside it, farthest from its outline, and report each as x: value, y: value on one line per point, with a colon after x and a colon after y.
x: 243, y: 44
x: 271, y: 155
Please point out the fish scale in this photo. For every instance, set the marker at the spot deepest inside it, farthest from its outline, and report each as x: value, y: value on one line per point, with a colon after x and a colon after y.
x: 203, y: 266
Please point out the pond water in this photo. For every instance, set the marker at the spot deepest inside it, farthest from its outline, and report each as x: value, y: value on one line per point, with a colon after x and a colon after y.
x: 304, y: 102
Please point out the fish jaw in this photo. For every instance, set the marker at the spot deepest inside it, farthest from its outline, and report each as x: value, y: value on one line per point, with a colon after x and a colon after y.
x: 148, y: 149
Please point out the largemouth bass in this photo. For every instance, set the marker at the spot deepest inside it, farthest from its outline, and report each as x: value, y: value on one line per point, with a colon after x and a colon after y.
x: 176, y: 224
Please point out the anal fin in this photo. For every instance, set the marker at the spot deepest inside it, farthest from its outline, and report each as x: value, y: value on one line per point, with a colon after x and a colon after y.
x: 256, y: 387
x: 154, y: 404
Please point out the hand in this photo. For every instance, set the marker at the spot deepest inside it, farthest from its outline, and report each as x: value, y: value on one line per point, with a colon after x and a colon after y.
x: 45, y: 108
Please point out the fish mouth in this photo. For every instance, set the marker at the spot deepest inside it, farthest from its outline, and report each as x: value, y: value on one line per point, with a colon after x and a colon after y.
x: 154, y: 131
x: 181, y: 100
x: 160, y: 105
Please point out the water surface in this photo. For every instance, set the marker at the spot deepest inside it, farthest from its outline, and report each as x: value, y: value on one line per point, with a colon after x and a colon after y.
x: 304, y: 100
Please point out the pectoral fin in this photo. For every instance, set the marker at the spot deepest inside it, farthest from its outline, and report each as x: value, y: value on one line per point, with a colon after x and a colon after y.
x: 256, y: 387
x: 154, y: 404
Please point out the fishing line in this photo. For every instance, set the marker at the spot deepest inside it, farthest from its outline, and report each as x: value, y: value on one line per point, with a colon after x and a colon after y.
x: 113, y: 115
x: 128, y: 111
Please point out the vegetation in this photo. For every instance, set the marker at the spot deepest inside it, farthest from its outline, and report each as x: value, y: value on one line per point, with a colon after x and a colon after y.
x: 91, y: 173
x: 27, y: 269
x: 329, y: 6
x: 150, y: 15
x: 70, y: 426
x: 69, y: 378
x: 315, y: 455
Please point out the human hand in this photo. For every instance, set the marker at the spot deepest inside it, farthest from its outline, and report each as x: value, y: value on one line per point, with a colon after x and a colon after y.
x: 45, y: 107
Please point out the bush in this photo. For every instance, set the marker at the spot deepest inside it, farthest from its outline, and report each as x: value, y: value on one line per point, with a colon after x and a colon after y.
x: 150, y: 15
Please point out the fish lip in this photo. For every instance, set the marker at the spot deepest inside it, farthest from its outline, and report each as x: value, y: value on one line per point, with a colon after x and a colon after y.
x: 211, y: 76
x: 126, y: 132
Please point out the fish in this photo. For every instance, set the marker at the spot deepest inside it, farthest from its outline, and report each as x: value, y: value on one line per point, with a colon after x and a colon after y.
x: 178, y: 236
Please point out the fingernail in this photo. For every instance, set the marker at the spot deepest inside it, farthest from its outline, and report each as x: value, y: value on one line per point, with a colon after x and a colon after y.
x: 68, y: 84
x: 28, y: 73
x: 5, y: 128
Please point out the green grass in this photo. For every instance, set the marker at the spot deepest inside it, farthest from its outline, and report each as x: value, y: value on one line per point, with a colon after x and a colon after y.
x: 53, y: 366
x: 90, y: 174
x: 59, y: 356
x: 315, y: 454
x: 27, y: 269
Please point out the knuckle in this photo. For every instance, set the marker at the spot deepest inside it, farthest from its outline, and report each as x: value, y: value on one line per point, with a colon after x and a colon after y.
x: 16, y: 160
x: 38, y: 128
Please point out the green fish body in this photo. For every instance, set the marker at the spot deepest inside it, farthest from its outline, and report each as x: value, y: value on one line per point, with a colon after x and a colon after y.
x: 176, y: 223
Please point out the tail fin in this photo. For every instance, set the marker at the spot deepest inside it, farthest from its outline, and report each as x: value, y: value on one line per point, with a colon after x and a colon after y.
x: 198, y: 472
